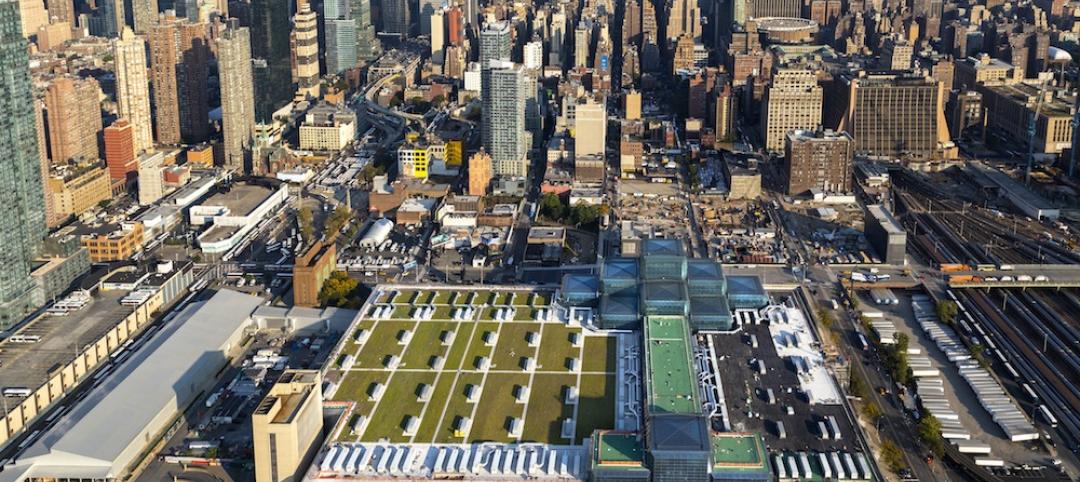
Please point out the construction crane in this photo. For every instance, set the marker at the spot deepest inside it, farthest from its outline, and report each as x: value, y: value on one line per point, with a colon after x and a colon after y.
x: 1032, y: 124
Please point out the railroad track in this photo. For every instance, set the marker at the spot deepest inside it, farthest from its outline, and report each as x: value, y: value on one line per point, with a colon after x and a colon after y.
x: 1033, y: 365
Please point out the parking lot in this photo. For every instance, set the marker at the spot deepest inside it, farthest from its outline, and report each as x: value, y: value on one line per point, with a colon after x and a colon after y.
x: 960, y: 396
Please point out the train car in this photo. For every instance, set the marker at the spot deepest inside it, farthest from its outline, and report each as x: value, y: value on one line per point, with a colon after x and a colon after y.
x: 1048, y: 417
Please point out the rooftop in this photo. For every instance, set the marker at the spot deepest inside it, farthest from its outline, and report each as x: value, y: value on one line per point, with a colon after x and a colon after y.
x: 241, y: 200
x: 671, y: 382
x: 28, y: 365
x: 615, y: 450
x: 620, y: 268
x: 745, y: 285
x: 662, y: 247
x: 704, y: 269
x: 102, y: 435
x: 885, y: 219
x: 739, y: 451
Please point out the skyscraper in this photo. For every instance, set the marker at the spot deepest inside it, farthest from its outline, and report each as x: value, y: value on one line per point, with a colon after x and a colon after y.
x: 306, y: 33
x: 558, y: 36
x: 74, y: 114
x: 631, y: 27
x: 582, y: 41
x: 61, y: 10
x: 495, y: 43
x: 533, y: 54
x: 438, y: 36
x: 132, y: 94
x: 108, y: 18
x: 179, y: 56
x: 33, y: 15
x: 144, y: 14
x: 367, y: 44
x: 237, y: 98
x: 684, y: 18
x: 427, y: 9
x: 21, y: 191
x: 270, y: 31
x: 455, y: 26
x: 340, y: 34
x: 590, y: 127
x: 395, y: 17
x: 793, y: 101
x: 503, y: 118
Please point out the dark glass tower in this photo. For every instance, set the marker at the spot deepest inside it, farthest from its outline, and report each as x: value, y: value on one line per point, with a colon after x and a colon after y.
x: 270, y: 29
x: 367, y: 45
x: 21, y: 191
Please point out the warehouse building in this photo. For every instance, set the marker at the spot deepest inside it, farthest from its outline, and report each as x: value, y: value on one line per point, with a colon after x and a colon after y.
x: 104, y: 436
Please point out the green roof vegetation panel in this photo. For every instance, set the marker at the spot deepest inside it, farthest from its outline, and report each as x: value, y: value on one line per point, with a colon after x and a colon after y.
x: 741, y: 451
x: 671, y: 382
x: 614, y: 450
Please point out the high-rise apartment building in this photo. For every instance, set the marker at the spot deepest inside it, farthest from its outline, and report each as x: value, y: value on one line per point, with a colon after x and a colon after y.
x: 237, y: 97
x: 480, y: 173
x: 631, y: 27
x: 437, y: 33
x: 533, y: 55
x: 120, y: 151
x: 793, y: 101
x: 74, y: 115
x: 21, y: 185
x: 818, y: 160
x: 395, y: 17
x: 590, y: 127
x: 179, y: 65
x: 455, y: 26
x: 306, y: 43
x: 495, y: 43
x: 896, y: 54
x: 32, y: 15
x: 270, y: 32
x: 503, y: 118
x: 582, y: 43
x: 287, y: 426
x: 132, y: 94
x: 62, y: 11
x: 144, y: 14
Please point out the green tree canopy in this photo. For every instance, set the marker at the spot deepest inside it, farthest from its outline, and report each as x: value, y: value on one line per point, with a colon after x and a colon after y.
x: 340, y: 291
x: 946, y: 310
x: 930, y: 434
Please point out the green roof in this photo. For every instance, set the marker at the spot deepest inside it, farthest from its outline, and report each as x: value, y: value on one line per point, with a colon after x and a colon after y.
x: 738, y: 451
x: 670, y: 379
x: 616, y: 450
